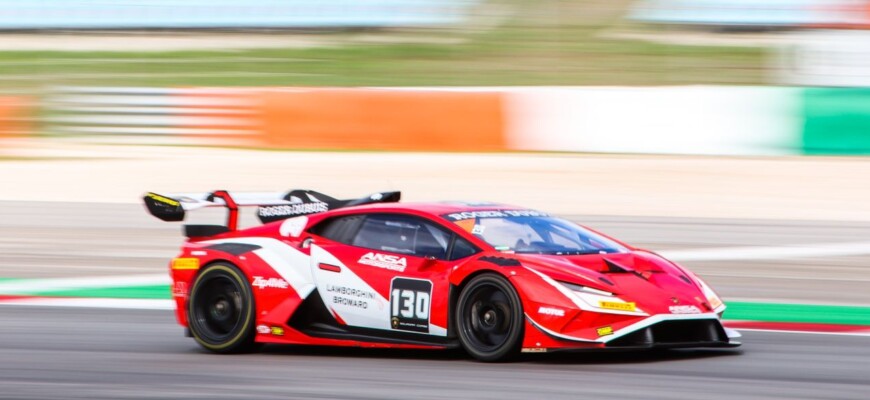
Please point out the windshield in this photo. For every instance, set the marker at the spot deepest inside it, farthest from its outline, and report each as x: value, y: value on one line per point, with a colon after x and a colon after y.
x: 533, y: 232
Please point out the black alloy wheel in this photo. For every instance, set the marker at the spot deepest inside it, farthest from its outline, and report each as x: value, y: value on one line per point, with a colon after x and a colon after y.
x: 489, y: 317
x: 221, y: 310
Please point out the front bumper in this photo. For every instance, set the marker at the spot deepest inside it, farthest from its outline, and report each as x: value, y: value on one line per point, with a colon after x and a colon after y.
x: 658, y: 331
x: 679, y: 334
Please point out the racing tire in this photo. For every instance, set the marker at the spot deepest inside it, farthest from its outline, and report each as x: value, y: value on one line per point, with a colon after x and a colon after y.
x: 221, y: 310
x: 489, y: 318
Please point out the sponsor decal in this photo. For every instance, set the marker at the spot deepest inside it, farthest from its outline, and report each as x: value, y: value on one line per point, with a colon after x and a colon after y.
x: 179, y: 289
x: 165, y: 200
x: 386, y: 261
x: 292, y: 209
x: 494, y: 214
x: 275, y: 283
x: 185, y: 263
x: 263, y: 330
x: 556, y: 312
x: 534, y: 350
x: 605, y: 331
x: 616, y: 305
x: 684, y: 310
x: 410, y: 300
x: 277, y: 331
x: 478, y: 230
x: 351, y: 297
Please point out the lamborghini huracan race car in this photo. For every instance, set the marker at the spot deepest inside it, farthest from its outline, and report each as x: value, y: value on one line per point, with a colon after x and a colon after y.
x: 492, y: 279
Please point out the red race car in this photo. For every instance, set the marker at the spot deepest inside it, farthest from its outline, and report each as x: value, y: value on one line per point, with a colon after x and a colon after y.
x: 493, y: 279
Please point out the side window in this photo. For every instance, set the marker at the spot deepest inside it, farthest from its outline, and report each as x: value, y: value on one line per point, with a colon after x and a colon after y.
x: 402, y: 234
x: 461, y: 249
x: 339, y: 229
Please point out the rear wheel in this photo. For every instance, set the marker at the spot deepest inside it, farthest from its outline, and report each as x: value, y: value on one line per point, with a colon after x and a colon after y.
x: 221, y: 310
x: 489, y: 317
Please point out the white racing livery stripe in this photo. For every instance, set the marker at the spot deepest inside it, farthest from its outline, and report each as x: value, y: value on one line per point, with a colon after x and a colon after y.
x: 579, y: 302
x: 348, y: 295
x: 291, y: 264
x: 352, y: 298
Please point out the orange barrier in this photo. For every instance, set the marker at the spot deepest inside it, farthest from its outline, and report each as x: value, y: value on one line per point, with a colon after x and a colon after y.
x: 382, y: 119
x: 15, y: 116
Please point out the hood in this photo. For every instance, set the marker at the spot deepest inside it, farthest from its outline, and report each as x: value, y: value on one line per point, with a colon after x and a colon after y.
x: 655, y: 284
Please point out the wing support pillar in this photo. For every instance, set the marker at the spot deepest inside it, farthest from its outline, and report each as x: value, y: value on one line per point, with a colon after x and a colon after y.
x: 232, y: 207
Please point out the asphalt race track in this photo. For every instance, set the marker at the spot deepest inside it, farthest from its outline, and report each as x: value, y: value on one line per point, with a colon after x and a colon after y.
x: 72, y: 353
x: 50, y: 353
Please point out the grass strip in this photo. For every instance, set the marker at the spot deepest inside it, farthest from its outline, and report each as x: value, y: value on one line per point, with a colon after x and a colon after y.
x: 809, y: 313
x: 132, y: 292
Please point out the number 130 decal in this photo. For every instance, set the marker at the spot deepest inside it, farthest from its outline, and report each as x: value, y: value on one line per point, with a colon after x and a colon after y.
x: 410, y: 300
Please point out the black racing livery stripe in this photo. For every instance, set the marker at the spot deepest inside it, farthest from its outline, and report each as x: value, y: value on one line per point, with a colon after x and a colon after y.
x: 235, y: 249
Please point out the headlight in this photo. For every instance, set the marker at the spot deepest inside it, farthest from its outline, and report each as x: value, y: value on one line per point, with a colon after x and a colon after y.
x: 712, y: 298
x: 601, y: 300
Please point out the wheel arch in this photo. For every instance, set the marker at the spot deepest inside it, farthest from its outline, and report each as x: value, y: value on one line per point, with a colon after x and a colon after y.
x: 188, y: 278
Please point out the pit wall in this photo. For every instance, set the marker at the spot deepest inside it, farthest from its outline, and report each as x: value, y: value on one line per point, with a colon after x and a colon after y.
x: 717, y: 120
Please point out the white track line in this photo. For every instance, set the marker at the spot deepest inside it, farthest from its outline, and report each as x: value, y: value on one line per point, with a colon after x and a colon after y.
x: 865, y: 334
x: 126, y: 304
x: 769, y: 253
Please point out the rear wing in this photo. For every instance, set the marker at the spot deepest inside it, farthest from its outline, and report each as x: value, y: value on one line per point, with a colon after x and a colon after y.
x: 273, y: 206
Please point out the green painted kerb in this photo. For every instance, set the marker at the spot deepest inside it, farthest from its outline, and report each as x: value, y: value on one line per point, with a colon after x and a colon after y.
x: 778, y: 312
x: 836, y: 121
x: 136, y: 292
x: 737, y: 310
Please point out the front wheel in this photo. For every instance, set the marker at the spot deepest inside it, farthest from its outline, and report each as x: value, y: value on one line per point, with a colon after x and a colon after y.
x: 221, y: 310
x: 489, y: 315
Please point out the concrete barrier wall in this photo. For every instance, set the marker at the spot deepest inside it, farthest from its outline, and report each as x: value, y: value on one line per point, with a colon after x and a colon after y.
x: 679, y: 120
x: 708, y: 120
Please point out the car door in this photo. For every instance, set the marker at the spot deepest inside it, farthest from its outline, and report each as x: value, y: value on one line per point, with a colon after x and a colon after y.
x: 389, y: 275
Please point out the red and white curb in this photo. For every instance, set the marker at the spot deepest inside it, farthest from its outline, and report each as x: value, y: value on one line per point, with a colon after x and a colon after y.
x: 800, y: 327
